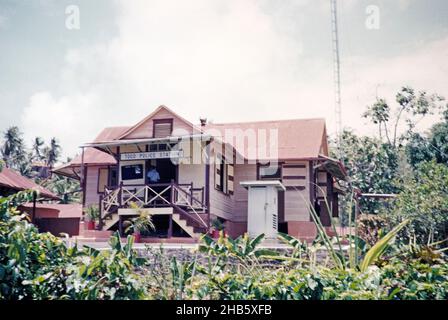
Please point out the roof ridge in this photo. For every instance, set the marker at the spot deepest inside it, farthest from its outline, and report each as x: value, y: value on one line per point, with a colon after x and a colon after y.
x: 261, y: 121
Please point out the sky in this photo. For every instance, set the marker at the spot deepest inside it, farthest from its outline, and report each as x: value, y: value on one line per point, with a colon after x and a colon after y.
x: 227, y: 60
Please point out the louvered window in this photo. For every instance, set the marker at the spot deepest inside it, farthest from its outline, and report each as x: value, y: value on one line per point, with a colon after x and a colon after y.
x: 224, y: 175
x: 162, y: 128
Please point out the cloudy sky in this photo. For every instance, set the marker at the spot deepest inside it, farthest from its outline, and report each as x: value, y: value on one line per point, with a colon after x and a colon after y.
x: 228, y: 60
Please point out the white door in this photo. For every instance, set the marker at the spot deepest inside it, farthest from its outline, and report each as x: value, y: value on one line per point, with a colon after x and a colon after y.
x: 257, y: 211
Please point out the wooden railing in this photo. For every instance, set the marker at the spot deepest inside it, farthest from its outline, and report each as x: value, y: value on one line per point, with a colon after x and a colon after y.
x: 183, y: 197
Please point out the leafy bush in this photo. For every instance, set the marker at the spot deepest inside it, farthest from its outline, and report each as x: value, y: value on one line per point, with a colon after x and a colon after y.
x: 424, y: 199
x: 37, y: 265
x: 370, y: 228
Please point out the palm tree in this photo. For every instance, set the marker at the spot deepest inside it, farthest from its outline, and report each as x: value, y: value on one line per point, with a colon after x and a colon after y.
x: 67, y: 189
x: 53, y: 152
x: 13, y: 149
x: 37, y: 153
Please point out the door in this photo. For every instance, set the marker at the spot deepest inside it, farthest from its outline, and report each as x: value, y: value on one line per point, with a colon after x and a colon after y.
x: 257, y: 211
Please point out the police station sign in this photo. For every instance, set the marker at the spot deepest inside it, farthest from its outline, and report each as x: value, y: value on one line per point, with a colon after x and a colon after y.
x: 173, y: 154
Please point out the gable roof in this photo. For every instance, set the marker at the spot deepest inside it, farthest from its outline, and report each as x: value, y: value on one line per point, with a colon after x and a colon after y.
x: 111, y: 133
x: 297, y: 139
x: 151, y: 115
x: 13, y: 180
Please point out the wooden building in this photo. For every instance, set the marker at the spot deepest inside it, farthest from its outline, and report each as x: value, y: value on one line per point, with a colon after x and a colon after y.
x: 201, y: 169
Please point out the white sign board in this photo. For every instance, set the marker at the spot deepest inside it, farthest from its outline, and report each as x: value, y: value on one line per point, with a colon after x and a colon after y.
x: 152, y: 155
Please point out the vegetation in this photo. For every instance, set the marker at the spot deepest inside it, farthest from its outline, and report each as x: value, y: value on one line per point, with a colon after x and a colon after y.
x: 36, y: 163
x: 37, y: 265
x: 40, y: 266
x: 140, y: 224
x: 92, y: 213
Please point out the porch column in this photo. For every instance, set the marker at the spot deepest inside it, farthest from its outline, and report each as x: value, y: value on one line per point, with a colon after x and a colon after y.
x: 83, y: 178
x: 120, y: 225
x: 170, y: 226
x: 312, y: 184
x: 207, y: 181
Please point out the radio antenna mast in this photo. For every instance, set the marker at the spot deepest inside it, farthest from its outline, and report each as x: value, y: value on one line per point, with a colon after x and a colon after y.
x: 336, y: 74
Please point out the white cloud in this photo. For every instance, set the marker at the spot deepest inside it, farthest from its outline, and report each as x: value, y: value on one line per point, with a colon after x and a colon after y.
x: 62, y: 118
x: 223, y: 59
x: 3, y: 21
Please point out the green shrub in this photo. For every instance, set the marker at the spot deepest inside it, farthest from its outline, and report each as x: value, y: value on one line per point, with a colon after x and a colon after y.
x: 37, y: 265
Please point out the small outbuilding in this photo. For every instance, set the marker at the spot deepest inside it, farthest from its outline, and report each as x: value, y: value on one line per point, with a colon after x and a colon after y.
x: 44, y: 211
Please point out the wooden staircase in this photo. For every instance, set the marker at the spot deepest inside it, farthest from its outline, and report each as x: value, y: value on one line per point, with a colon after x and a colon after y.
x: 184, y: 200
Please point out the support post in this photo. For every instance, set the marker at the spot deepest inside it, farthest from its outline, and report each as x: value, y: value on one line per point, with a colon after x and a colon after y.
x: 120, y: 225
x: 33, y: 216
x: 207, y: 182
x: 100, y: 218
x: 312, y: 185
x: 170, y: 226
x: 83, y: 178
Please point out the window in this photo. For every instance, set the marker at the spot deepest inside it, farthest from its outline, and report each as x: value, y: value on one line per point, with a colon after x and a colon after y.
x: 113, y: 176
x: 132, y: 172
x: 271, y: 171
x: 103, y: 177
x: 162, y: 128
x: 224, y: 175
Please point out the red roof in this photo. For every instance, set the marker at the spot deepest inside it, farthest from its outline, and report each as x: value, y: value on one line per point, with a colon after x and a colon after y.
x: 45, y: 210
x: 92, y: 156
x: 111, y: 133
x: 13, y: 180
x: 297, y: 139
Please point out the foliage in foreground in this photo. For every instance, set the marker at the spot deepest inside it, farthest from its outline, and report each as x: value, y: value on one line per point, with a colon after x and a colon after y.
x: 41, y: 266
x: 37, y: 265
x: 237, y: 269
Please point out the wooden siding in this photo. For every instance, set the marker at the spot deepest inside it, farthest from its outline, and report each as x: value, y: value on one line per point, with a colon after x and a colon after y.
x: 221, y: 204
x: 296, y: 175
x: 243, y: 172
x: 92, y: 197
x: 195, y: 173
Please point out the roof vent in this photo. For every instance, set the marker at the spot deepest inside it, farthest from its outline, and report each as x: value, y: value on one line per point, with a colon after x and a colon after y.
x: 203, y: 121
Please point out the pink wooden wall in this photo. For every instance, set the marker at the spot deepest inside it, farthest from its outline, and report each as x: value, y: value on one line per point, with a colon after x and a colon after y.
x: 145, y: 130
x: 92, y: 196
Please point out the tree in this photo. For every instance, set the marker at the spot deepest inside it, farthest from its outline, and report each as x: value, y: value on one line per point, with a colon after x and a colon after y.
x: 37, y: 153
x: 433, y: 146
x: 13, y: 150
x: 53, y: 152
x: 67, y: 189
x: 424, y: 199
x: 372, y: 165
x: 410, y: 110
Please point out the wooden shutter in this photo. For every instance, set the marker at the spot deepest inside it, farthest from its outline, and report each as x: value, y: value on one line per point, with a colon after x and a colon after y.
x: 162, y: 128
x: 230, y: 175
x: 103, y: 175
x: 217, y: 173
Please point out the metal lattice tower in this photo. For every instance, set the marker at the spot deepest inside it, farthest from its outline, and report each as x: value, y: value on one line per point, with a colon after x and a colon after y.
x: 337, y: 71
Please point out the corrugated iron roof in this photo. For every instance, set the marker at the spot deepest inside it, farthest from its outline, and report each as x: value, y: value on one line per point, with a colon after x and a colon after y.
x: 92, y: 156
x: 46, y: 210
x: 14, y: 180
x: 297, y: 139
x: 111, y: 133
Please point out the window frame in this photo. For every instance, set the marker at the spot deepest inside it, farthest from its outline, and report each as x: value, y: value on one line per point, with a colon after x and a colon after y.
x: 133, y: 165
x: 223, y: 168
x: 261, y: 177
x: 155, y: 122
